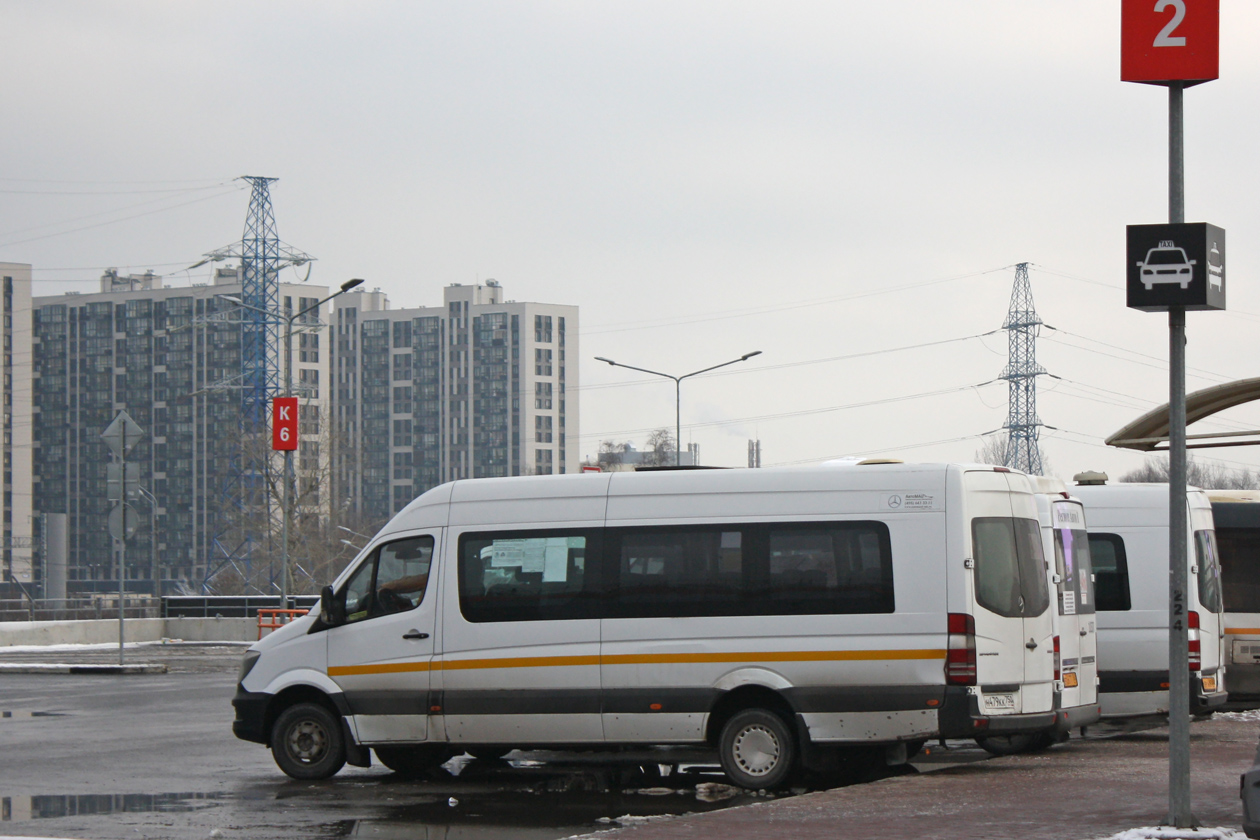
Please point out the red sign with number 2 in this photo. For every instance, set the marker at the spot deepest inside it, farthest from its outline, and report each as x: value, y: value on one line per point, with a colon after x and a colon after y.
x: 1169, y: 40
x: 284, y: 423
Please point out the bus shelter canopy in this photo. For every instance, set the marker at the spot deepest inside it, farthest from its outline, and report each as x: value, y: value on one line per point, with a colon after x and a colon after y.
x: 1150, y: 431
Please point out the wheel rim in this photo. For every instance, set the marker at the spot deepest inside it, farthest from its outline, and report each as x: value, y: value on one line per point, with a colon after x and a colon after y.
x: 756, y: 750
x: 307, y: 741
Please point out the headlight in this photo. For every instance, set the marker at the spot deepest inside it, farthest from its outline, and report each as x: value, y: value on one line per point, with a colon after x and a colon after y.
x: 247, y: 664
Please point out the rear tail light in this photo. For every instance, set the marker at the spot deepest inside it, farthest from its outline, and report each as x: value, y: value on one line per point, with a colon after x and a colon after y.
x: 960, y: 657
x: 1058, y: 659
x: 1196, y: 652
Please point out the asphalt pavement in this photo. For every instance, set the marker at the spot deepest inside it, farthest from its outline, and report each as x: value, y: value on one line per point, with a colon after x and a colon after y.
x: 152, y: 755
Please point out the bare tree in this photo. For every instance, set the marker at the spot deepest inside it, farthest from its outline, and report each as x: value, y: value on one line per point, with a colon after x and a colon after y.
x: 1208, y: 476
x: 660, y: 450
x: 611, y: 453
x: 994, y: 449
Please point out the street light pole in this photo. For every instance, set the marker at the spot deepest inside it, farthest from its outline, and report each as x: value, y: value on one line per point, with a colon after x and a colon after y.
x: 288, y: 391
x: 678, y: 392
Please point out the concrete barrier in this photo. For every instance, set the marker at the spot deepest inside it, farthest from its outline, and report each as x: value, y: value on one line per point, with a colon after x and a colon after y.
x: 105, y: 631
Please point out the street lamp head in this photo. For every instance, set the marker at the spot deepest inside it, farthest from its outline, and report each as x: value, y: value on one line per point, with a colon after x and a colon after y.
x: 350, y: 284
x: 602, y: 359
x: 748, y: 356
x: 231, y: 299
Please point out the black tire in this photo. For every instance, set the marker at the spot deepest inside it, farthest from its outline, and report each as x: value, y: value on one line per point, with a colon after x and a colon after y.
x: 307, y: 742
x: 913, y: 748
x: 1013, y: 744
x: 413, y: 761
x: 488, y: 752
x: 757, y: 750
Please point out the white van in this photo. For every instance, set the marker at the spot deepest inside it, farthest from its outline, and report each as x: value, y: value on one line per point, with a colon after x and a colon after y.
x: 1070, y: 577
x: 1236, y: 516
x: 1128, y: 539
x: 772, y: 614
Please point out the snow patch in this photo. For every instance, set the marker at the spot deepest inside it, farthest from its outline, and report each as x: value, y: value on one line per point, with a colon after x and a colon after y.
x: 631, y: 819
x: 1248, y: 715
x: 1164, y: 832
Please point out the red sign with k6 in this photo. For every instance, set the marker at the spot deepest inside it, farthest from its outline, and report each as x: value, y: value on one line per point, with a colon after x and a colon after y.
x: 1169, y: 40
x: 284, y: 423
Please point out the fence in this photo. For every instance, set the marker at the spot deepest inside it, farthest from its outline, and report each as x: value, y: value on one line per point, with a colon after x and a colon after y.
x: 77, y: 609
x: 143, y: 606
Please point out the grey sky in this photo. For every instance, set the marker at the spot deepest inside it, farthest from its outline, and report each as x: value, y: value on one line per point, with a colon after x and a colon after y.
x: 702, y: 179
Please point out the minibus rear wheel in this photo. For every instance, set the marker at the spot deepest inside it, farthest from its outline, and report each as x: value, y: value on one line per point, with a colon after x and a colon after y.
x: 307, y: 742
x: 757, y: 749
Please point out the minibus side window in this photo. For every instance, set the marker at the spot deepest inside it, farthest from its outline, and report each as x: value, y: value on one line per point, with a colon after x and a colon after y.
x: 1111, y: 572
x: 527, y: 576
x: 359, y: 591
x: 671, y: 572
x: 1209, y: 571
x: 830, y: 570
x: 1239, y: 555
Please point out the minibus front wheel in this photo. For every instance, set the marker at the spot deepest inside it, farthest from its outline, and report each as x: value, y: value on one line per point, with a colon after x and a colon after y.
x: 307, y: 742
x: 757, y: 749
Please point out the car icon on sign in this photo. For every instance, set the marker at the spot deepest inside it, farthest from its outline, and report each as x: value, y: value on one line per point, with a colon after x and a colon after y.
x: 1166, y: 264
x: 1216, y: 267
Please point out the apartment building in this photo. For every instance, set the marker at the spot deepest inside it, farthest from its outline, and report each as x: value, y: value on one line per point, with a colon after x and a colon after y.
x: 475, y: 388
x: 16, y: 520
x: 171, y: 357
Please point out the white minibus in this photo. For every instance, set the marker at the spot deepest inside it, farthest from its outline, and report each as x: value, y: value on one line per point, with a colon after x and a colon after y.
x: 1236, y: 515
x: 1128, y: 539
x: 773, y: 615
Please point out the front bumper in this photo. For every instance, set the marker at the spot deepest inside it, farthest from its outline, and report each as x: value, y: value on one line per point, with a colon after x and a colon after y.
x: 960, y: 717
x: 251, y: 716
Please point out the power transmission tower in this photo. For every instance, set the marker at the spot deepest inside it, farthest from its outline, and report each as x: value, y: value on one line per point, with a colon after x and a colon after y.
x: 244, y: 489
x: 1022, y: 423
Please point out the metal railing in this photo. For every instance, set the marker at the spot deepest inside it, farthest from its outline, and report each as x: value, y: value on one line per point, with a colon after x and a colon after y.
x: 144, y: 606
x: 77, y: 609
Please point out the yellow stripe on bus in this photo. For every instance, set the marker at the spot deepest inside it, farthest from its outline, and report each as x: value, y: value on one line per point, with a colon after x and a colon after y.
x: 751, y: 657
x: 1255, y: 631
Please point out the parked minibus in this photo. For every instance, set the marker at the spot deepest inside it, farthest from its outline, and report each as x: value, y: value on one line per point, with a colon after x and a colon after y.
x: 774, y: 615
x: 1128, y: 539
x: 1071, y: 582
x: 1236, y: 514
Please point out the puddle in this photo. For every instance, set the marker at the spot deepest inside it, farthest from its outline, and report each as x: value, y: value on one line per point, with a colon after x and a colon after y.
x: 525, y: 815
x: 15, y: 808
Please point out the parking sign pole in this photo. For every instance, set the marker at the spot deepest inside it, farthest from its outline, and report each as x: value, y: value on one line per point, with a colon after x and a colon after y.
x: 122, y: 545
x: 1179, y: 814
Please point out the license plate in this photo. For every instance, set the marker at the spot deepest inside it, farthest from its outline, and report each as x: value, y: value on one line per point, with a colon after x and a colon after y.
x: 999, y: 701
x: 1209, y: 683
x: 1069, y: 679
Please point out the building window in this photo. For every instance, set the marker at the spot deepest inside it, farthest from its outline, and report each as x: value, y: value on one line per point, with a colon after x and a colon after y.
x: 542, y: 362
x: 542, y: 395
x: 542, y: 429
x: 542, y: 328
x: 542, y: 462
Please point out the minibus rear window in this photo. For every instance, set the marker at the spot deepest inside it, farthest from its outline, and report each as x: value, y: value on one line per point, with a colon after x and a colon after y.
x: 1111, y: 572
x: 1072, y: 561
x: 1209, y: 570
x: 1010, y: 566
x: 1240, y: 568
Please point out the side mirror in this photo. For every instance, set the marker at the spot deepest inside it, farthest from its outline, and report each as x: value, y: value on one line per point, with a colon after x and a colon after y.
x: 332, y: 611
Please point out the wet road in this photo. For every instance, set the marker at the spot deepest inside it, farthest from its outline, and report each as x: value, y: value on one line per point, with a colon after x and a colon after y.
x: 106, y: 756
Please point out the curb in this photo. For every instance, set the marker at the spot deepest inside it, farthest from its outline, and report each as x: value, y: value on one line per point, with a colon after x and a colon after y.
x: 65, y: 668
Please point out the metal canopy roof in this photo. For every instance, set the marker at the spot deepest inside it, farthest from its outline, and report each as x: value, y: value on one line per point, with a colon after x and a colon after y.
x: 1150, y: 430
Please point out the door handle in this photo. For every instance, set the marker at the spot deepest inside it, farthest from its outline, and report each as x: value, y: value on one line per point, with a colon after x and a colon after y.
x: 1032, y: 644
x: 1084, y: 632
x: 415, y: 634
